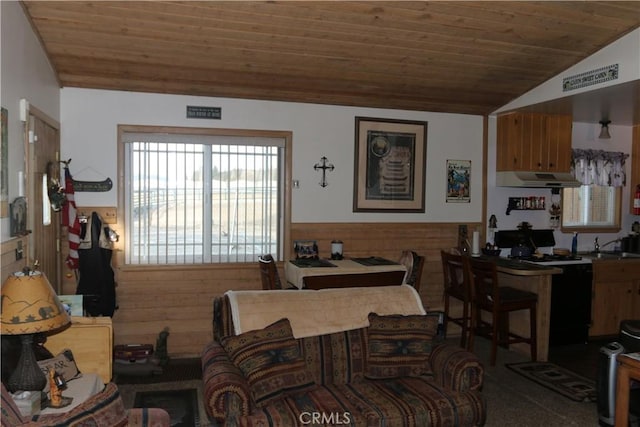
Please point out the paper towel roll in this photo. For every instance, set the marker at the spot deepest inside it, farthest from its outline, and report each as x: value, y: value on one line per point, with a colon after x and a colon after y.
x: 20, y: 184
x: 476, y: 243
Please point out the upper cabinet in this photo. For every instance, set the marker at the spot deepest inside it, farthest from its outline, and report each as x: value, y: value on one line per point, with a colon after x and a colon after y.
x: 635, y: 164
x: 534, y: 142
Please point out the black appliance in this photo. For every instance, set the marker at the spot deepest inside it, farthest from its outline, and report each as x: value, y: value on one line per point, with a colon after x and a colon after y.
x: 570, y: 304
x: 527, y: 237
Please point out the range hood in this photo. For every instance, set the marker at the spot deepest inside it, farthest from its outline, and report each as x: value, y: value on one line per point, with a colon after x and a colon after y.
x: 535, y: 179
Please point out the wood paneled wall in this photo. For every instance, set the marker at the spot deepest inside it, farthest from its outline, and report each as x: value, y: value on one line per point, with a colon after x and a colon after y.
x: 181, y: 297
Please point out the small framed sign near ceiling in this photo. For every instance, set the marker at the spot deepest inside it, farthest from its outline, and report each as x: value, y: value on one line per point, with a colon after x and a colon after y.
x: 195, y: 112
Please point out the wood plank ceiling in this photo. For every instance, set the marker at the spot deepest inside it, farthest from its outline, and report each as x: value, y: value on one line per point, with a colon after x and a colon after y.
x: 459, y: 57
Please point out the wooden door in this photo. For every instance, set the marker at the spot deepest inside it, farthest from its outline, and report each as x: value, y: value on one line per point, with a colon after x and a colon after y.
x: 43, y: 151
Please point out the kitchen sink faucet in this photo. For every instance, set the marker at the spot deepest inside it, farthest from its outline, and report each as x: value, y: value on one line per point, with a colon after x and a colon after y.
x: 597, y: 246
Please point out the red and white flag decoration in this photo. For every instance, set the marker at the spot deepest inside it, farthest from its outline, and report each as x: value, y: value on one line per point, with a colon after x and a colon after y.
x: 70, y: 219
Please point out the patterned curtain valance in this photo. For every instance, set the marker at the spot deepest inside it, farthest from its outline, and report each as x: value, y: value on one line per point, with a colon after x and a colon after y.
x: 599, y: 167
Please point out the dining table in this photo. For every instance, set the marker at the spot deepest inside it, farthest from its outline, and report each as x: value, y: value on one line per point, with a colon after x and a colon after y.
x: 321, y: 273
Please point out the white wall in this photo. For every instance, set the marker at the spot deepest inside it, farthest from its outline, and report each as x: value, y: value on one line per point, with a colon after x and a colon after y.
x: 89, y: 137
x: 25, y: 73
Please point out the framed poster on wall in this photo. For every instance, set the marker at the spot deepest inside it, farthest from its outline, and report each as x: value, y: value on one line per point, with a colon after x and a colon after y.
x: 4, y: 164
x: 458, y: 181
x: 390, y: 163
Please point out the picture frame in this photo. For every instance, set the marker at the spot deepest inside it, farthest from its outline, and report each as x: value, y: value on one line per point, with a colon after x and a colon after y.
x: 458, y: 181
x: 73, y: 304
x: 18, y: 217
x: 305, y: 249
x: 390, y: 165
x: 4, y: 162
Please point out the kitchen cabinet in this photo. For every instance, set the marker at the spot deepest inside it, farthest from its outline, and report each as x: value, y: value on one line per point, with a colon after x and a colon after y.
x: 635, y: 164
x: 534, y: 142
x: 616, y: 295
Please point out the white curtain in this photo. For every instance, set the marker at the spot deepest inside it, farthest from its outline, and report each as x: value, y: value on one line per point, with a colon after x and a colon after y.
x: 599, y: 167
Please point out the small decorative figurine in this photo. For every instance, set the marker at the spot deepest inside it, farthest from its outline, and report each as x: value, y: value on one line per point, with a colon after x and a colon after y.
x: 161, y: 354
x: 55, y: 392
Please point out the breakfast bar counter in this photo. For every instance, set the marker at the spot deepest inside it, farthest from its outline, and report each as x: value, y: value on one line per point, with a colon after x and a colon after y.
x: 533, y: 278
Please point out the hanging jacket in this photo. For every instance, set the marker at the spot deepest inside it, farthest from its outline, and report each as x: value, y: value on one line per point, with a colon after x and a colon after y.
x: 96, y: 282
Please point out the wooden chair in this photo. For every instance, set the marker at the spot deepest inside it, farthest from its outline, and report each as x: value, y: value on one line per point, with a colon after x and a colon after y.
x: 269, y: 273
x: 498, y: 300
x: 414, y: 264
x: 456, y: 285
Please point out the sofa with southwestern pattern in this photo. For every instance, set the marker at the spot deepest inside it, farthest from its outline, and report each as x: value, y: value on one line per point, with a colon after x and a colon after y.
x: 351, y: 356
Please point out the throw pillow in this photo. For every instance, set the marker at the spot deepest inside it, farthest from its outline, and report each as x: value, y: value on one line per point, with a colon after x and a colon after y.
x: 64, y: 364
x: 271, y: 360
x: 399, y: 346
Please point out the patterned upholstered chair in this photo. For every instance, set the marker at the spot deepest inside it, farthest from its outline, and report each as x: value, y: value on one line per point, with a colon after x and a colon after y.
x: 104, y: 409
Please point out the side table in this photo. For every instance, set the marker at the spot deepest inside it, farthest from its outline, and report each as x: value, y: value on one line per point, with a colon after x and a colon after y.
x: 91, y: 341
x: 628, y: 369
x: 80, y: 389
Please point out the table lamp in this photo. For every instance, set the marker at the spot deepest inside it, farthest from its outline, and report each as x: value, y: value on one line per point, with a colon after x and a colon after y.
x: 29, y: 306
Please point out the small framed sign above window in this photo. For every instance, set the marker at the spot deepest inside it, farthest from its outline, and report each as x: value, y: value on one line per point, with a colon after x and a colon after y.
x: 195, y: 112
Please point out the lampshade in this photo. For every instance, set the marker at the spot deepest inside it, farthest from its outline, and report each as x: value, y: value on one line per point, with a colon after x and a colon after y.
x: 604, y: 131
x: 30, y: 305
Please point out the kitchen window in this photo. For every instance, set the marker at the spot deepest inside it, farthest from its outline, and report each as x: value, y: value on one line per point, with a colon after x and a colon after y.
x: 591, y: 208
x: 194, y: 196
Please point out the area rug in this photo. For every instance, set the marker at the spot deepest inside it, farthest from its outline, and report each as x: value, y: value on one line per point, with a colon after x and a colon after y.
x: 182, y: 405
x: 130, y: 391
x: 558, y: 379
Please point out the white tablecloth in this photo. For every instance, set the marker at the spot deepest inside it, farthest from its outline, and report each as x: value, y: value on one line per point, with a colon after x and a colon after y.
x: 295, y: 275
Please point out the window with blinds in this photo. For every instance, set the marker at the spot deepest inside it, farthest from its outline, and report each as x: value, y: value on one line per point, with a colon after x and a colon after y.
x: 193, y: 198
x: 591, y: 206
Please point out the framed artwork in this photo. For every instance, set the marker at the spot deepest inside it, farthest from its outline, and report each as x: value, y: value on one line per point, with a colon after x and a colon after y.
x: 18, y: 219
x: 72, y: 304
x: 458, y: 181
x: 4, y: 164
x: 390, y: 165
x: 306, y: 249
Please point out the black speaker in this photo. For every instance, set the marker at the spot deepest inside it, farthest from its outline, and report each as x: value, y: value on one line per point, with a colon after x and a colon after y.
x: 630, y: 335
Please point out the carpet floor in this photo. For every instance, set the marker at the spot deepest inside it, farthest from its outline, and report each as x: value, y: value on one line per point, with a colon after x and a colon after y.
x: 513, y: 400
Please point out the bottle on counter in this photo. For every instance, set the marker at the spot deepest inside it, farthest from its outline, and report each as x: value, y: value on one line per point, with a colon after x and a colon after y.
x: 574, y: 244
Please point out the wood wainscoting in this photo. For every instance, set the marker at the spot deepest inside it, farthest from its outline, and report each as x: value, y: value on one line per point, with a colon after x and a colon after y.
x: 180, y: 298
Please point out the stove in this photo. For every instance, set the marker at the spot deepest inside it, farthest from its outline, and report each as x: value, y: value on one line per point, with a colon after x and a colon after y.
x: 552, y: 259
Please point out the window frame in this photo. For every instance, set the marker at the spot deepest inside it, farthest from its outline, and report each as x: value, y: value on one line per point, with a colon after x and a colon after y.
x: 287, y: 136
x: 617, y: 216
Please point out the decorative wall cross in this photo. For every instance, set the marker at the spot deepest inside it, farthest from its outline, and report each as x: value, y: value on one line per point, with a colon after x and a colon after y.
x: 324, y: 166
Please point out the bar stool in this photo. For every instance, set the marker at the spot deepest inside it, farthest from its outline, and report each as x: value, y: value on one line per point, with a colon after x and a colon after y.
x: 499, y: 301
x: 456, y: 285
